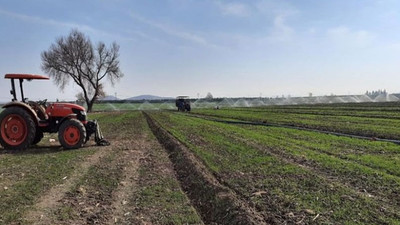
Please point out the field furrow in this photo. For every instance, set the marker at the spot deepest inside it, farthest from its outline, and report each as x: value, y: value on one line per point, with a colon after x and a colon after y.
x: 216, y: 203
x: 288, y: 187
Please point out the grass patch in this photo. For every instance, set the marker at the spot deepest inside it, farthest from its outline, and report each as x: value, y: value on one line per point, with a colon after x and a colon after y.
x: 30, y: 175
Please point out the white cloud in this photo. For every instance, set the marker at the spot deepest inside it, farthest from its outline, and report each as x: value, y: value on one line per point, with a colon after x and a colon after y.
x: 395, y: 46
x: 275, y: 7
x: 173, y: 32
x: 234, y: 9
x: 55, y: 23
x: 145, y: 36
x: 343, y: 35
x: 312, y: 30
x: 39, y: 20
x: 281, y: 31
x: 279, y: 12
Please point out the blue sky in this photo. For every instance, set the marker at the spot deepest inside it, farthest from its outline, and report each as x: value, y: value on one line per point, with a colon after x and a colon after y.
x: 228, y: 48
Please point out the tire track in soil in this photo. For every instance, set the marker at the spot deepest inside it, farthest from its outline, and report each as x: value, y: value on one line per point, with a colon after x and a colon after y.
x: 42, y: 210
x: 94, y: 206
x: 105, y: 208
x: 215, y: 202
x: 129, y: 181
x: 155, y: 169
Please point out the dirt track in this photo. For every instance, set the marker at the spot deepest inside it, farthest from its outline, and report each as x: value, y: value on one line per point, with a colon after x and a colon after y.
x: 41, y: 212
x: 130, y: 182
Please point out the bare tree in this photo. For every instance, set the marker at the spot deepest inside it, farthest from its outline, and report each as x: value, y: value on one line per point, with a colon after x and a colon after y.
x: 209, y: 96
x: 74, y: 57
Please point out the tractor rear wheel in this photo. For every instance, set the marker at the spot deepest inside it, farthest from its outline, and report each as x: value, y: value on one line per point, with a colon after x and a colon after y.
x: 72, y: 134
x: 38, y: 137
x: 17, y: 129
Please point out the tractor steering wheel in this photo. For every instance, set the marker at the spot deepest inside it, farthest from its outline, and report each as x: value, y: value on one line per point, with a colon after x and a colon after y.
x: 42, y: 102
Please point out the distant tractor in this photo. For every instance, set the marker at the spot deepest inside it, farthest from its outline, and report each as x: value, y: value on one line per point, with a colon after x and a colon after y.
x: 183, y: 103
x: 22, y: 123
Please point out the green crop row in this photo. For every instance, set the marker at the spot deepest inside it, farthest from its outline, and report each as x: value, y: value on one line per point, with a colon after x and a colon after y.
x: 367, y: 106
x: 372, y: 127
x: 328, y: 111
x: 294, y: 175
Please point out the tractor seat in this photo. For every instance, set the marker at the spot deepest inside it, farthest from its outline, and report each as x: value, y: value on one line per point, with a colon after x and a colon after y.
x: 40, y: 110
x: 42, y: 113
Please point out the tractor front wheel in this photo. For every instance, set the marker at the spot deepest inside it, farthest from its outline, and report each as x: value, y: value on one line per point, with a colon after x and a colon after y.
x: 17, y: 129
x: 72, y: 134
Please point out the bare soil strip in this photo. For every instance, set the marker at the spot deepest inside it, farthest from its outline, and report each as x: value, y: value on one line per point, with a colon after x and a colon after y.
x: 216, y: 203
x: 90, y: 200
x: 157, y: 197
x: 41, y: 211
x: 128, y: 183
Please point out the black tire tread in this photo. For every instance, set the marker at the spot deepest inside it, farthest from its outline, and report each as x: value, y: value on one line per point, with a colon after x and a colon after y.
x: 81, y: 128
x: 38, y: 137
x: 31, y: 127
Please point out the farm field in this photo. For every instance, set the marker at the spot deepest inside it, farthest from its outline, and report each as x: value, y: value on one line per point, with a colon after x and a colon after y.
x: 131, y: 181
x: 292, y: 176
x: 373, y: 121
x: 372, y: 109
x: 168, y: 167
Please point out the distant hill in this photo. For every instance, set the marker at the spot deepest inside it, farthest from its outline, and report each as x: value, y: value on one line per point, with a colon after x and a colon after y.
x: 109, y: 98
x: 147, y: 97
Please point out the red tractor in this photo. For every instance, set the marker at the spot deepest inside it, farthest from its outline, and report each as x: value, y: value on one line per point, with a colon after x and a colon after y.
x: 22, y: 123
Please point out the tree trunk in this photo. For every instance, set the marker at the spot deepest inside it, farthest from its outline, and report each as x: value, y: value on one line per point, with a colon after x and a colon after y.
x: 89, y: 105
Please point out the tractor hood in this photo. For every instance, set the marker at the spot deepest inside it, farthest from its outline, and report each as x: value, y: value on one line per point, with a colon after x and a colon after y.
x: 63, y: 109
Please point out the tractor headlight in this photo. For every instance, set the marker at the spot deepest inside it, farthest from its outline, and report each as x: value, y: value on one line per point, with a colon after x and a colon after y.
x: 82, y: 115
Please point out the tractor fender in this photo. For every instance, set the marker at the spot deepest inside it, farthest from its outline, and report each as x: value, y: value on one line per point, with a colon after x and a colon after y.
x: 70, y: 116
x: 25, y: 107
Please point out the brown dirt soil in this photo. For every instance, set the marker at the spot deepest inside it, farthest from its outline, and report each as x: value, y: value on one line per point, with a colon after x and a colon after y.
x: 92, y: 204
x: 216, y: 203
x: 128, y: 183
x: 81, y: 200
x: 156, y: 170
